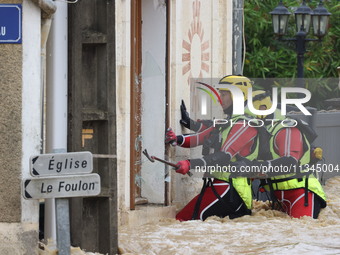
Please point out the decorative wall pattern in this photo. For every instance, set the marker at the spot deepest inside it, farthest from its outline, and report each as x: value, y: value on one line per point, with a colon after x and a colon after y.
x: 196, y: 48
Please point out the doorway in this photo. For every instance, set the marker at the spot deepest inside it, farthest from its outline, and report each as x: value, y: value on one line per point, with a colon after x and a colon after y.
x: 149, y: 31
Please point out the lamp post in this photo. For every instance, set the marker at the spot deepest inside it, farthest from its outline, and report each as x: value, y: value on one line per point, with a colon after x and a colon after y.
x: 304, y: 17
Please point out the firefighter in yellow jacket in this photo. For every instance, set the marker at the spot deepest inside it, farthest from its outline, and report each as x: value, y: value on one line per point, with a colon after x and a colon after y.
x: 286, y: 147
x: 222, y: 195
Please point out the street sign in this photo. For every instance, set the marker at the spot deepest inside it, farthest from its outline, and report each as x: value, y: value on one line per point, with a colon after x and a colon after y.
x: 65, y: 186
x: 61, y: 164
x: 10, y: 23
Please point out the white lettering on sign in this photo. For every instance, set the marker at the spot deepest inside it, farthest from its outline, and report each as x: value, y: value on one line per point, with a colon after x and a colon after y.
x: 3, y: 31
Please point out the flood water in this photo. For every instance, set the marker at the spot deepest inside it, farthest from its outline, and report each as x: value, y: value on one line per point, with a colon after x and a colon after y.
x: 266, y: 231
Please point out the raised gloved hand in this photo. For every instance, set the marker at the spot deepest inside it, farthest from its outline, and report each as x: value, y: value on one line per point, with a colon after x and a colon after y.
x: 170, y: 137
x: 186, y: 121
x: 183, y: 167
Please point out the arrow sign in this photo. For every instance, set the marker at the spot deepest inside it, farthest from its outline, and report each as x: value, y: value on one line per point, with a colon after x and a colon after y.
x: 61, y: 164
x: 66, y: 186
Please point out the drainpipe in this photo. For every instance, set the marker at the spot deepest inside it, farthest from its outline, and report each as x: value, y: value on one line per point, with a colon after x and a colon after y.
x: 49, y: 231
x: 56, y: 86
x: 45, y: 30
x: 48, y: 8
x: 56, y: 92
x: 56, y: 101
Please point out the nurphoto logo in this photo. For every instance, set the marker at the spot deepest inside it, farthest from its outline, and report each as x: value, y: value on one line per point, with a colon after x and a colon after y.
x: 238, y: 102
x: 238, y: 106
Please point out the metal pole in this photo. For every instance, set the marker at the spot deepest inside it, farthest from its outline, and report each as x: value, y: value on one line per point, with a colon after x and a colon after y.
x: 63, y: 226
x: 56, y: 106
x: 237, y: 36
x: 300, y: 51
x: 300, y: 60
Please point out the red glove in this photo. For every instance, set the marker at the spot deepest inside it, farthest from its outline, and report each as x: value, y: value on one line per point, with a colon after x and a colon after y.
x: 183, y: 167
x: 170, y: 137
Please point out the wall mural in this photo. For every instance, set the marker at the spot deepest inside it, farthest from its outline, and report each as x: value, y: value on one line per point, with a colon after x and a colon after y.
x: 196, y: 50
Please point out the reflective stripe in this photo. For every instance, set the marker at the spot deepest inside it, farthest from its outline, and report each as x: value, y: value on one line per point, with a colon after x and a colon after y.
x: 204, y: 162
x: 287, y: 142
x: 234, y: 138
x: 183, y: 140
x: 201, y: 126
x: 238, y: 208
x: 275, y: 144
x: 296, y: 200
x: 221, y: 184
x: 215, y: 201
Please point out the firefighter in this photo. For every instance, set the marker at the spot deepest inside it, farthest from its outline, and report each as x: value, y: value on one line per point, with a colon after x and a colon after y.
x: 221, y: 195
x: 298, y: 193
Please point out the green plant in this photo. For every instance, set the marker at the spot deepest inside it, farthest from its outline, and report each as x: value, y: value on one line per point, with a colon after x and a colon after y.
x: 267, y: 57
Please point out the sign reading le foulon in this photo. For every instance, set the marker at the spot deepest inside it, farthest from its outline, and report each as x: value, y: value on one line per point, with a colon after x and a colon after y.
x: 57, y: 187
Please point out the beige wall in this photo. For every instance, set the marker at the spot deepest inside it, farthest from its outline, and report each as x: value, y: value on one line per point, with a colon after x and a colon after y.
x: 20, y: 133
x: 201, y: 47
x: 10, y: 130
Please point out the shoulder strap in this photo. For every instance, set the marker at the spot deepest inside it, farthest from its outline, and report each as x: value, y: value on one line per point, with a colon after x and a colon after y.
x: 306, y: 129
x: 264, y: 147
x: 199, y: 200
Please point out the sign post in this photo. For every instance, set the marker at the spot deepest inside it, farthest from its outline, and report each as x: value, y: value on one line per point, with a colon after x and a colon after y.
x: 63, y: 225
x: 60, y: 176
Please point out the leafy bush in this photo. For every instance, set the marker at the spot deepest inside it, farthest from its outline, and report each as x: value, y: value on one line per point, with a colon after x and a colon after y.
x: 267, y: 57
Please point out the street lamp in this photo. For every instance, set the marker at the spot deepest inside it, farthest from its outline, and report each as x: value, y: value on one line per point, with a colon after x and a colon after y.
x: 320, y: 20
x: 280, y: 17
x: 304, y: 16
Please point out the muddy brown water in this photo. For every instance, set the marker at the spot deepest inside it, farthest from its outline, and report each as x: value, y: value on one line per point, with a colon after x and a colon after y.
x: 266, y: 231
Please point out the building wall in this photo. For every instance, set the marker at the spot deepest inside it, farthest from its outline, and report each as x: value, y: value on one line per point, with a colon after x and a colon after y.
x: 200, y: 46
x: 10, y: 127
x: 123, y: 105
x: 20, y: 129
